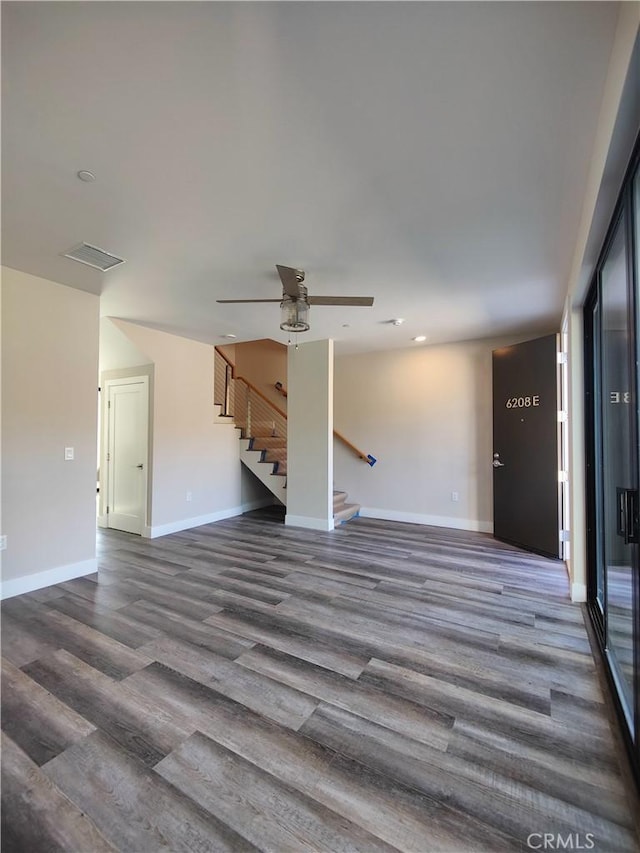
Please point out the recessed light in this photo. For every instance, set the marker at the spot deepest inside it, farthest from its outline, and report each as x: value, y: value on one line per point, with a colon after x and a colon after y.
x: 419, y: 338
x: 398, y: 321
x: 230, y: 335
x: 86, y: 176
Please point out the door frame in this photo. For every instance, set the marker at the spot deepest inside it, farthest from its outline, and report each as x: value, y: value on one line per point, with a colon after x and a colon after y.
x: 106, y: 385
x: 564, y: 444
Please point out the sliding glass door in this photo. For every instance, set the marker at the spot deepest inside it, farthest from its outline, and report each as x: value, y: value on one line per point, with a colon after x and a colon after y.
x: 612, y: 357
x: 619, y: 481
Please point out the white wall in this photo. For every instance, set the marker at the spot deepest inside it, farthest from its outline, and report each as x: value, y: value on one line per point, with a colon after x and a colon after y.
x: 263, y: 363
x: 49, y: 402
x: 116, y: 350
x: 253, y: 492
x: 190, y: 451
x: 426, y: 415
x: 310, y: 436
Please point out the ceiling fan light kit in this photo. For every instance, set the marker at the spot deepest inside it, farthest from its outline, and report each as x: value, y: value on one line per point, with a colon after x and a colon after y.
x: 294, y: 314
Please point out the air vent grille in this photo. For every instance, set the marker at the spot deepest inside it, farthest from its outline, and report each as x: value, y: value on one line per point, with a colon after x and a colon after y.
x: 93, y: 257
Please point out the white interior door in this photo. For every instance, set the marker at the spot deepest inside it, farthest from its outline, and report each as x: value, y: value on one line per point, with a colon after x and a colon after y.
x: 127, y: 450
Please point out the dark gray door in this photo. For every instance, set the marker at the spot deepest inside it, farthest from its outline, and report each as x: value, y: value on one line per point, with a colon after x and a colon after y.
x: 525, y: 445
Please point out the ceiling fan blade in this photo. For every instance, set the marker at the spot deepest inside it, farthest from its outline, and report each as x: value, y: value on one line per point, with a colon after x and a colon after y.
x: 249, y: 300
x: 290, y: 279
x: 363, y: 301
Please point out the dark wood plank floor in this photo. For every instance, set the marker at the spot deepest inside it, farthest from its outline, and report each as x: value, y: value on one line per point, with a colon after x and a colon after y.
x: 248, y: 686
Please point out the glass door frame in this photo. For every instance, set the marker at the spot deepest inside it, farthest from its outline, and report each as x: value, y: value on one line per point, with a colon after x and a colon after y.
x: 597, y: 604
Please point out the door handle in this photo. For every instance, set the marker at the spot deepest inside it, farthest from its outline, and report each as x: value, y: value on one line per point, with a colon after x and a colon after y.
x: 140, y: 465
x: 627, y: 515
x: 497, y: 463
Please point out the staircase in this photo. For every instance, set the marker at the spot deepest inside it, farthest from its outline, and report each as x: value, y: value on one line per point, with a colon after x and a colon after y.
x: 266, y: 457
x: 263, y: 435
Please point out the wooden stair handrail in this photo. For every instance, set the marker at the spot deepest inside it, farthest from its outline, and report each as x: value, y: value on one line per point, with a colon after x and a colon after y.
x: 366, y: 457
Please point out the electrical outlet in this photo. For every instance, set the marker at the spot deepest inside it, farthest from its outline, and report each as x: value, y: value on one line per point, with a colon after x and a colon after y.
x: 69, y: 454
x: 455, y: 497
x: 3, y: 543
x: 189, y: 497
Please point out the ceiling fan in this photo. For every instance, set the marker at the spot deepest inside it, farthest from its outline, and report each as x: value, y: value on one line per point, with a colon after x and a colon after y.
x: 295, y: 300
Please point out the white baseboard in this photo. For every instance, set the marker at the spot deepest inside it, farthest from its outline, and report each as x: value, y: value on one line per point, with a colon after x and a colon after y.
x: 578, y: 592
x: 197, y: 521
x: 308, y: 522
x: 103, y: 521
x: 39, y: 580
x: 431, y: 520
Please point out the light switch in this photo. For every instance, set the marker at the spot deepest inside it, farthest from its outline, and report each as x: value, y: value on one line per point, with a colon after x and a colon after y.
x: 69, y: 454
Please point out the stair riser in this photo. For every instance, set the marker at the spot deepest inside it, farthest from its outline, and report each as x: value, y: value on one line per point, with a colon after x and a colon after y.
x: 274, y: 456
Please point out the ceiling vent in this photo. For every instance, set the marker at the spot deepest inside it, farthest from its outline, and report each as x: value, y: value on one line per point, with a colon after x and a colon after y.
x: 93, y: 257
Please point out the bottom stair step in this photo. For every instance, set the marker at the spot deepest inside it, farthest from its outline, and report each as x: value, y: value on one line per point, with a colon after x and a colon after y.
x: 345, y: 512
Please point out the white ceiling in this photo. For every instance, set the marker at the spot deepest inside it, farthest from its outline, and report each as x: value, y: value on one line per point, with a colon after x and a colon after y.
x: 432, y: 155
